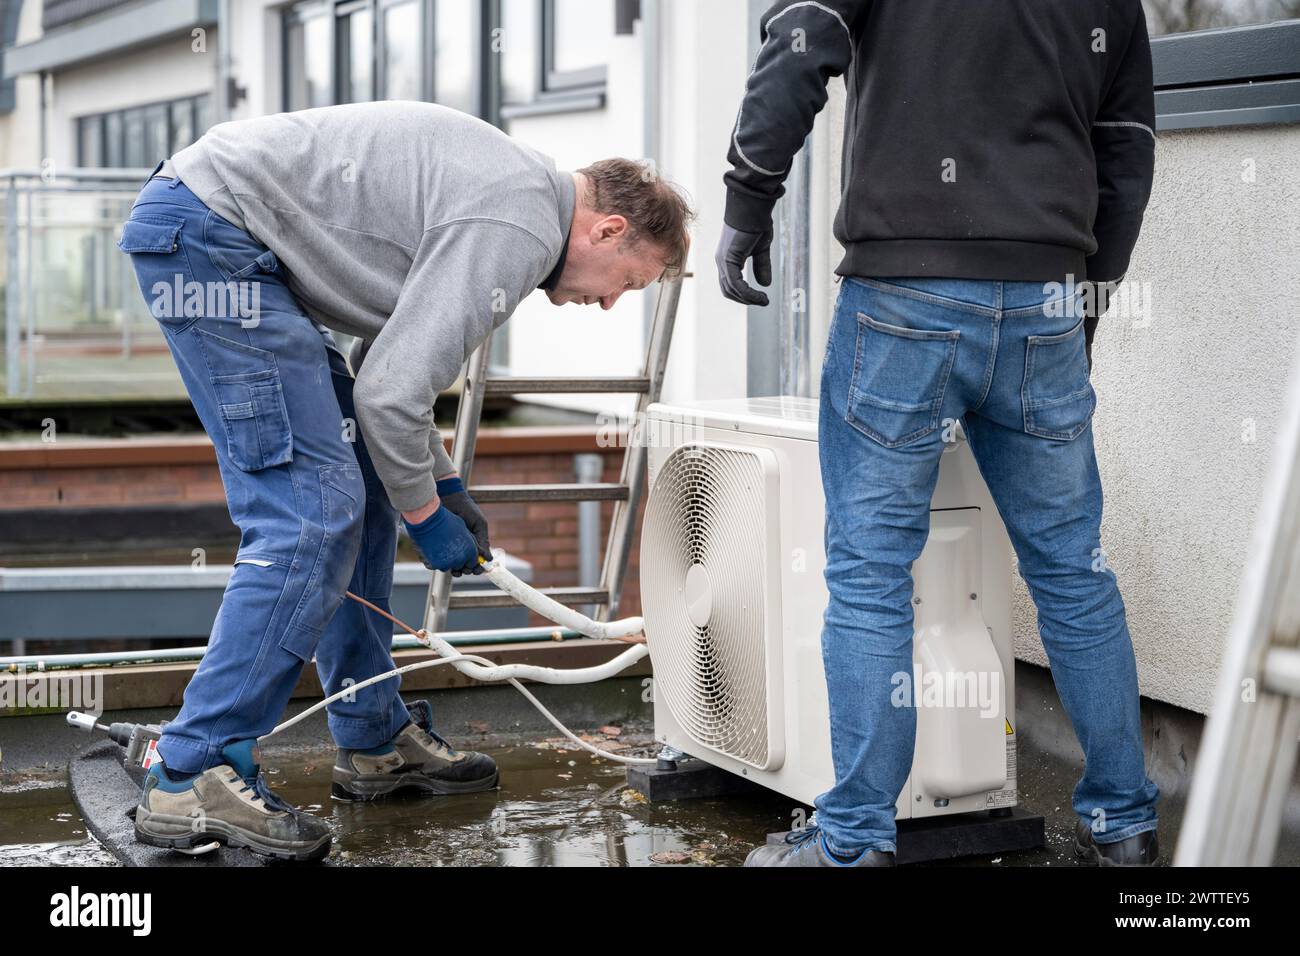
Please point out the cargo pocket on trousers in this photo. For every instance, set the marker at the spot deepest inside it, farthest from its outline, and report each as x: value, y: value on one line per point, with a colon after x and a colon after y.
x: 253, y: 410
x: 256, y: 420
x: 1057, y: 395
x: 337, y: 542
x: 899, y: 379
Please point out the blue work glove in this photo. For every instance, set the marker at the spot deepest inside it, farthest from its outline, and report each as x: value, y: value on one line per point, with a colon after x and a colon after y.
x: 454, y: 497
x: 734, y: 250
x: 444, y: 542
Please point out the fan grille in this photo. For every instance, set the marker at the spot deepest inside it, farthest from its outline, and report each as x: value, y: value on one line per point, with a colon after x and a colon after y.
x: 704, y: 548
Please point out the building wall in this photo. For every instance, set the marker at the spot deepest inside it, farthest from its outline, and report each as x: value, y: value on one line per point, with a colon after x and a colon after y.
x: 705, y: 64
x: 20, y: 130
x: 1190, y: 394
x: 112, y: 475
x: 164, y: 71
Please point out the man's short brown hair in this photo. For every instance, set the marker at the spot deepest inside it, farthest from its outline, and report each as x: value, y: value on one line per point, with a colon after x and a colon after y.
x: 656, y: 209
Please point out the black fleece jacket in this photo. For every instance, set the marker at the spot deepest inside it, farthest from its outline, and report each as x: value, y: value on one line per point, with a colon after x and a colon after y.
x: 984, y: 139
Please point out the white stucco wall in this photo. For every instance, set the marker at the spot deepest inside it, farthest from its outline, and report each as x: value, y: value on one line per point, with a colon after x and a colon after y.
x: 1179, y: 385
x: 705, y: 64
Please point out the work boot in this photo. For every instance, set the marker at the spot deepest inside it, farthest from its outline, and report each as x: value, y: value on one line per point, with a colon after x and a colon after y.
x: 231, y: 804
x: 1141, y: 849
x: 416, y: 759
x: 807, y: 847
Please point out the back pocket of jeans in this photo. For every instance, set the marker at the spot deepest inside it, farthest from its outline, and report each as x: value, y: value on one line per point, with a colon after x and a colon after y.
x: 899, y: 379
x: 1057, y: 395
x: 151, y: 234
x: 162, y: 268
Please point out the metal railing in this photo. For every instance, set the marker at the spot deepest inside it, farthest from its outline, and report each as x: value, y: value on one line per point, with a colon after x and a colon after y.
x: 76, y: 326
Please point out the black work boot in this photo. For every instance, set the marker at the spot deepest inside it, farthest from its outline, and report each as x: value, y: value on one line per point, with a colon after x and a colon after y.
x: 1141, y: 849
x: 416, y: 759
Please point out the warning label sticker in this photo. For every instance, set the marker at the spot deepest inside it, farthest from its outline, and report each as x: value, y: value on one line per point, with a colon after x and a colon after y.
x: 1006, y: 797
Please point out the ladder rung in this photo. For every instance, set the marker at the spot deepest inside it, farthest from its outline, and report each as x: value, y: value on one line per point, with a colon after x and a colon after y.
x: 486, y: 494
x: 566, y: 596
x: 1282, y: 671
x: 527, y: 386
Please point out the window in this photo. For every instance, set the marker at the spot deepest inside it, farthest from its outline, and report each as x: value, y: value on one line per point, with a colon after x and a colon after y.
x: 112, y: 142
x: 90, y: 141
x: 182, y: 121
x: 309, y: 42
x: 356, y: 51
x: 400, y: 50
x: 519, y: 45
x: 141, y: 135
x: 455, y: 57
x: 555, y: 53
x: 575, y: 42
x: 355, y: 29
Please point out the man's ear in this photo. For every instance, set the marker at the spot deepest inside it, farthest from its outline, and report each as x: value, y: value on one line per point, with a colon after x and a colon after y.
x: 610, y: 228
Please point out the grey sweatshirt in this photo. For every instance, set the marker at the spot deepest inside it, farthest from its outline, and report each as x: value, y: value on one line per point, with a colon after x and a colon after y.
x: 412, y: 226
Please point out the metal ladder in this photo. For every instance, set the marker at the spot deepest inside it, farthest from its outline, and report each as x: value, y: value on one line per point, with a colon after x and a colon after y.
x: 1248, y: 750
x: 626, y: 494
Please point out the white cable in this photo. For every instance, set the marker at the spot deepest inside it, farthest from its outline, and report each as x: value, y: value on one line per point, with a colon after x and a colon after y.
x: 487, y: 671
x: 555, y: 611
x: 481, y: 669
x: 352, y: 689
x: 456, y: 659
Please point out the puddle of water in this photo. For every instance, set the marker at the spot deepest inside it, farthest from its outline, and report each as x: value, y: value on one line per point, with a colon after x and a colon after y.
x: 40, y: 827
x: 553, y: 808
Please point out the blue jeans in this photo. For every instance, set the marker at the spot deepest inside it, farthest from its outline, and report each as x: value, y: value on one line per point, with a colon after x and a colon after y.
x: 905, y: 359
x: 274, y: 394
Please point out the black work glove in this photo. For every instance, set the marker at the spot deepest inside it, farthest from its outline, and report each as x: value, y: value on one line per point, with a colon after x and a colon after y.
x: 734, y: 250
x: 1096, y: 297
x: 456, y: 499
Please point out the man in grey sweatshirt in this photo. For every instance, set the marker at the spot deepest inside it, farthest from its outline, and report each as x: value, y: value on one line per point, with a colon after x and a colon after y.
x: 417, y: 230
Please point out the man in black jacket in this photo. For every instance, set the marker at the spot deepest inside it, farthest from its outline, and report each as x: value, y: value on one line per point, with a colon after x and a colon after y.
x: 998, y: 158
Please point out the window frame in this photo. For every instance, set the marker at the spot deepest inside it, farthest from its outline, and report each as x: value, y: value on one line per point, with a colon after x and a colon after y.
x: 341, y: 37
x: 552, y: 91
x: 298, y: 14
x: 482, y: 67
x: 101, y: 120
x: 425, y: 11
x: 479, y: 55
x: 1228, y: 76
x: 566, y: 81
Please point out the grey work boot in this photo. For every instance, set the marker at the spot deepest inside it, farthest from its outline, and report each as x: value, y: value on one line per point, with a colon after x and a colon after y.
x: 1141, y: 849
x: 807, y: 847
x: 416, y: 759
x: 231, y: 804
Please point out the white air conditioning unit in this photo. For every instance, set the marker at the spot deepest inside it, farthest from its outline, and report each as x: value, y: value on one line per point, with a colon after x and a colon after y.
x: 732, y: 593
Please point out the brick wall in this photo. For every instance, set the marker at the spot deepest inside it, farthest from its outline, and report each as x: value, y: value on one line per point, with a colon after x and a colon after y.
x: 546, y: 533
x: 126, y: 473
